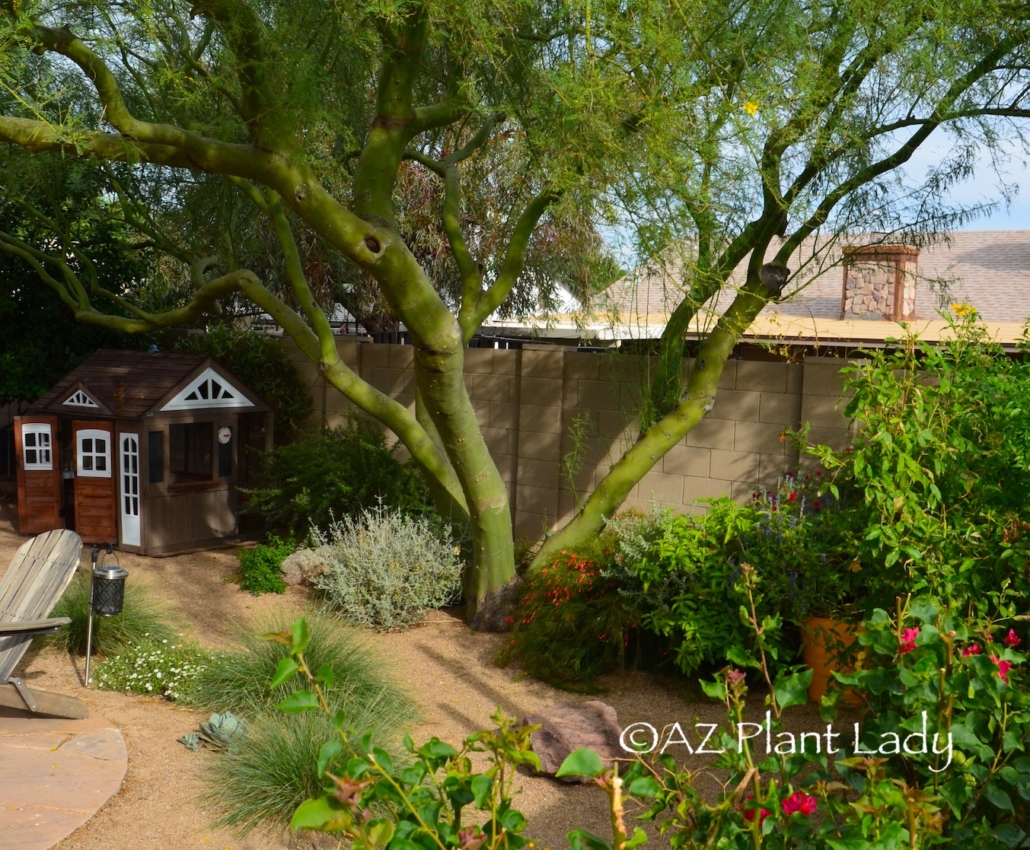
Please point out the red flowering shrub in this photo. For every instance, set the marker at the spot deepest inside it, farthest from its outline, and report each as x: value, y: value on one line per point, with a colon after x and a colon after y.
x: 571, y: 623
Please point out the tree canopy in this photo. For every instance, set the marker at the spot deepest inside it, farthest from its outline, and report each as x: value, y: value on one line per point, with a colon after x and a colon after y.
x: 452, y: 153
x: 42, y: 339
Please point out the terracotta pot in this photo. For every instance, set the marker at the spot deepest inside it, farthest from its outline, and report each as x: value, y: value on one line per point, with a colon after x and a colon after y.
x: 822, y: 641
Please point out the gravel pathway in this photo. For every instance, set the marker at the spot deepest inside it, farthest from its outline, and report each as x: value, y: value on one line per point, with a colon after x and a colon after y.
x: 446, y: 665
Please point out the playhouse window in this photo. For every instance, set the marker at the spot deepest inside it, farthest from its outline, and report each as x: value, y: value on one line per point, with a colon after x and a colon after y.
x: 94, y: 453
x: 190, y: 452
x: 36, y: 447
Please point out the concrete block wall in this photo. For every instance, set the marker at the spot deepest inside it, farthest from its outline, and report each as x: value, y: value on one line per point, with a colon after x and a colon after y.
x: 555, y: 420
x: 822, y: 403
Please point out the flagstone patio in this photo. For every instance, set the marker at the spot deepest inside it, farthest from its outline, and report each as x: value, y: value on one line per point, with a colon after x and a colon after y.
x: 54, y: 775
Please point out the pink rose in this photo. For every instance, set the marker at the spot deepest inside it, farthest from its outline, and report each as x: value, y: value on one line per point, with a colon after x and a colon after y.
x: 1003, y: 668
x: 908, y: 639
x: 1012, y: 639
x: 804, y: 804
x: 749, y: 813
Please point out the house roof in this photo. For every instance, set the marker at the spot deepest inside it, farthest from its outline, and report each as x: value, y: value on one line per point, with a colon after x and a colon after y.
x: 988, y: 269
x: 128, y: 384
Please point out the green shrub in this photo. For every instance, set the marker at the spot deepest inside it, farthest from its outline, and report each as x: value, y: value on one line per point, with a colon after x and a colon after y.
x: 237, y: 681
x: 142, y: 617
x: 662, y: 588
x: 335, y: 474
x: 385, y: 569
x: 686, y: 585
x: 261, y: 567
x: 681, y: 572
x: 153, y: 666
x: 801, y: 540
x: 938, y: 477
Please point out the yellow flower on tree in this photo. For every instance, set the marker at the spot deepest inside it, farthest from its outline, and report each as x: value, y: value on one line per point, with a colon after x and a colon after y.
x: 751, y: 107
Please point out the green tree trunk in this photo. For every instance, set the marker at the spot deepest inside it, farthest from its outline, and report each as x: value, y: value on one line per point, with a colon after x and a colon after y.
x: 441, y: 383
x: 665, y: 433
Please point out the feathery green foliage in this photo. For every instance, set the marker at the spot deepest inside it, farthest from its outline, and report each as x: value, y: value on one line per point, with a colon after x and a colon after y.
x: 273, y: 770
x: 237, y: 680
x: 143, y: 618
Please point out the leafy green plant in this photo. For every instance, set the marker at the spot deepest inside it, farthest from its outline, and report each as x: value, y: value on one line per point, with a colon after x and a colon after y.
x: 684, y: 583
x: 938, y: 477
x: 261, y: 567
x: 964, y: 676
x: 938, y: 759
x: 332, y: 474
x: 152, y: 666
x: 142, y: 618
x: 385, y: 569
x: 801, y: 539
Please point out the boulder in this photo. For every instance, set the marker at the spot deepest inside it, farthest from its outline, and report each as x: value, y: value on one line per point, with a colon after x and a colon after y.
x: 303, y: 567
x: 565, y: 728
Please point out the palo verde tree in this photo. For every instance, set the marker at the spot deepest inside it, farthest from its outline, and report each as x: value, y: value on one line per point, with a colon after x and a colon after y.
x: 794, y: 120
x: 731, y: 124
x: 311, y: 114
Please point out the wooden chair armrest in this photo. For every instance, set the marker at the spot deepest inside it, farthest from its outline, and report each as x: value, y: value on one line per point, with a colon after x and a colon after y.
x: 34, y: 626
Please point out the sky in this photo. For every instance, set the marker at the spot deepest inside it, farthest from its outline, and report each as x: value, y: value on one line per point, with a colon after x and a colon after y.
x: 983, y: 186
x: 1017, y: 218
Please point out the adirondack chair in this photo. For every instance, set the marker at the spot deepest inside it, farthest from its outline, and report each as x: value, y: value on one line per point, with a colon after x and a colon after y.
x: 30, y: 589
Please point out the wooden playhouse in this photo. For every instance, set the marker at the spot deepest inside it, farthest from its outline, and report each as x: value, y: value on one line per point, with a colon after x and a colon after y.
x: 142, y: 450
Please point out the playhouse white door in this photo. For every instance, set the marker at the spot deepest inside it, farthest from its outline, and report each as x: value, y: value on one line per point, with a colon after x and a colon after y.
x: 96, y: 519
x: 129, y: 500
x: 39, y: 474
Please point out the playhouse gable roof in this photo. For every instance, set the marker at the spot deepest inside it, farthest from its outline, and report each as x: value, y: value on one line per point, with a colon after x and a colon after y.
x: 128, y: 384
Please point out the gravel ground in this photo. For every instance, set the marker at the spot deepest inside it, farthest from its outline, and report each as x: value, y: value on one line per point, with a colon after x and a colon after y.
x: 447, y: 666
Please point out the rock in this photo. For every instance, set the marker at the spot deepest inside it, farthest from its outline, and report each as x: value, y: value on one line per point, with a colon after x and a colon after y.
x: 565, y: 728
x: 303, y: 567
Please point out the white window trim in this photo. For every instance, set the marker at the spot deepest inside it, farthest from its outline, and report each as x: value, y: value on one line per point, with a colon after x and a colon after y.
x: 80, y: 399
x: 38, y: 428
x: 93, y: 434
x: 231, y: 397
x: 130, y: 513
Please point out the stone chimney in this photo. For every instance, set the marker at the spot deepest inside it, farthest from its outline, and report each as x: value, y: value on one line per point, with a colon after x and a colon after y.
x: 879, y: 282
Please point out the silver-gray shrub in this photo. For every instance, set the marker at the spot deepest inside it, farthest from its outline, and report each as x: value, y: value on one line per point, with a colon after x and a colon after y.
x: 385, y: 569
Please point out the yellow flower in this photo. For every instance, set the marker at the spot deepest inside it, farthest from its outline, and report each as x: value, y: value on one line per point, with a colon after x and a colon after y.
x: 963, y: 311
x: 751, y: 107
